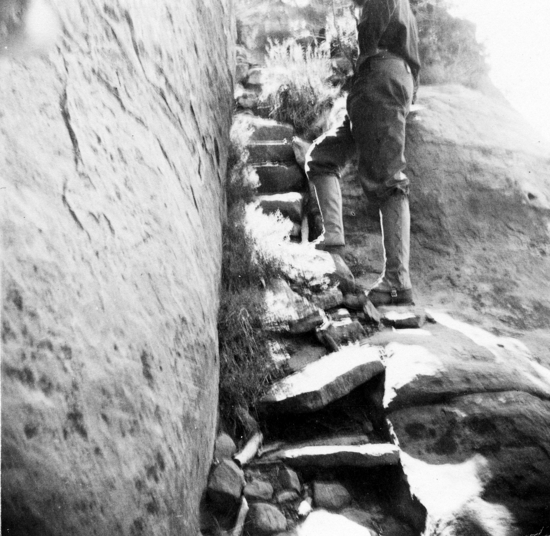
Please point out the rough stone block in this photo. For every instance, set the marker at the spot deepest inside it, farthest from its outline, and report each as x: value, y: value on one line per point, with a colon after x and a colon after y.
x: 280, y: 178
x: 289, y: 205
x: 370, y: 455
x: 324, y: 381
x: 289, y: 479
x: 304, y: 356
x: 264, y: 519
x: 225, y: 486
x: 241, y: 71
x: 257, y: 490
x: 330, y: 495
x: 270, y: 151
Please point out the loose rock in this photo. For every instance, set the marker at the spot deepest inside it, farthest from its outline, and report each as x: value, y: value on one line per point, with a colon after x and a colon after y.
x: 265, y: 519
x: 225, y: 486
x: 341, y: 333
x: 287, y: 496
x: 289, y: 479
x: 258, y: 490
x: 330, y: 495
x: 328, y: 299
x: 224, y: 448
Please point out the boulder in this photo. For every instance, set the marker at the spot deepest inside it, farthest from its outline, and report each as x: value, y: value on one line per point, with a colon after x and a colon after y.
x: 324, y: 381
x: 280, y: 178
x: 371, y: 455
x: 290, y: 205
x: 264, y: 519
x: 330, y: 495
x: 225, y: 486
x: 257, y: 490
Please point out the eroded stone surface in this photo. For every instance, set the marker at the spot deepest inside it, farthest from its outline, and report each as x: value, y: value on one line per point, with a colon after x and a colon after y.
x: 117, y: 143
x: 324, y: 381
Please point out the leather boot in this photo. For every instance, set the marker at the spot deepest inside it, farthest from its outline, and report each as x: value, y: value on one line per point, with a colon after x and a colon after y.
x: 329, y: 196
x: 394, y: 286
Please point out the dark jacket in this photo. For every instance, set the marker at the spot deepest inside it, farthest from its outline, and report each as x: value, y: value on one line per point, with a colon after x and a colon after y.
x: 389, y: 25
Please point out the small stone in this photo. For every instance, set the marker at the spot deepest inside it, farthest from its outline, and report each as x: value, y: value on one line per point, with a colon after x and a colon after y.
x: 328, y: 299
x: 402, y: 319
x: 286, y: 496
x: 289, y: 205
x: 258, y: 490
x: 255, y: 76
x: 241, y: 71
x: 343, y: 332
x: 341, y: 314
x: 305, y: 508
x: 330, y: 495
x: 355, y: 302
x: 225, y: 486
x: 224, y: 447
x: 309, y: 323
x: 371, y: 312
x: 289, y: 479
x: 265, y: 519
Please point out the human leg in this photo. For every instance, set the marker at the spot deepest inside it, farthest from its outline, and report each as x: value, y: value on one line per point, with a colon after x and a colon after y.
x: 378, y: 106
x: 325, y: 159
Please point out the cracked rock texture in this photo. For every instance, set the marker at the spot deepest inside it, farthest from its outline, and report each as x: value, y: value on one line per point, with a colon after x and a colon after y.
x: 114, y: 146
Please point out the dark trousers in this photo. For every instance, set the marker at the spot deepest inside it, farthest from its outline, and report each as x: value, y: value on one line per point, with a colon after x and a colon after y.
x: 377, y: 106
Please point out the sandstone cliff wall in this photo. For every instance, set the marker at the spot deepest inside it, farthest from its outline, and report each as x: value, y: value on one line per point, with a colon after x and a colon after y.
x: 115, y: 146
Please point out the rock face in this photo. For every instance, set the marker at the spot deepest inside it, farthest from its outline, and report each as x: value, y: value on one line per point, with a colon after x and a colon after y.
x: 115, y: 149
x: 469, y: 410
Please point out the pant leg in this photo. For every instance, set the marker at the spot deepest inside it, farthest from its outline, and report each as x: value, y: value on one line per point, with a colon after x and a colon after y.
x: 324, y: 161
x: 330, y: 152
x: 378, y: 106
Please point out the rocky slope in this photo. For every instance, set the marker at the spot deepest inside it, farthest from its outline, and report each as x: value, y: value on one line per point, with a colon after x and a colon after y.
x: 435, y: 422
x: 114, y: 149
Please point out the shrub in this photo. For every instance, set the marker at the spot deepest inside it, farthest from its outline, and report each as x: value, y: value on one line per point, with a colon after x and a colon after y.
x: 297, y: 89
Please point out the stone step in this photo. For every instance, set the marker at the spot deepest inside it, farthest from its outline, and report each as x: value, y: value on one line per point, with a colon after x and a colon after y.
x: 324, y: 381
x: 270, y: 151
x: 290, y: 205
x: 330, y: 456
x: 265, y: 129
x: 280, y: 178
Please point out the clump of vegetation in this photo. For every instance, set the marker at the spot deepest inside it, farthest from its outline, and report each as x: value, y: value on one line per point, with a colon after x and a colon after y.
x: 297, y: 89
x: 245, y: 364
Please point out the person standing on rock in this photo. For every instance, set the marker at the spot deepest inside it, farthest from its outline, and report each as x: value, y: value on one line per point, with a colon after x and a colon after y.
x: 384, y: 87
